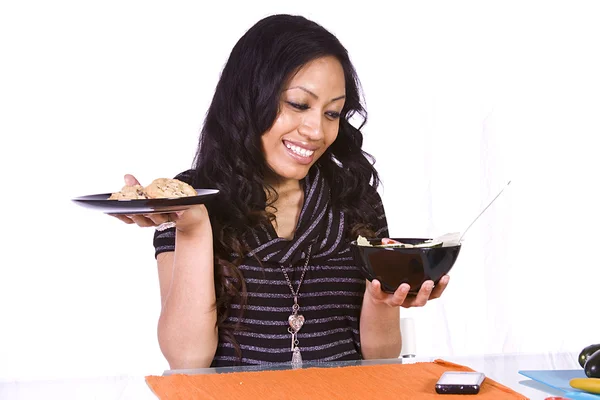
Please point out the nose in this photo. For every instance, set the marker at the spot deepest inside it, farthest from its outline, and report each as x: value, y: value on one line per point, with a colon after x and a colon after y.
x: 311, y: 127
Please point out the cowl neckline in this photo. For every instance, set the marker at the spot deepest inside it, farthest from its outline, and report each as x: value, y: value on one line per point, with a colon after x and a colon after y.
x: 314, y: 227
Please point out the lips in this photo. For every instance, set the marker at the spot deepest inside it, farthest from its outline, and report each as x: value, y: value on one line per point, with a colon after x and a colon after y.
x: 300, y: 152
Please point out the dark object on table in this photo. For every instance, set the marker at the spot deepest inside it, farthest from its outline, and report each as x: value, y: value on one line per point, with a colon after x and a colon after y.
x: 592, y: 365
x: 587, y: 352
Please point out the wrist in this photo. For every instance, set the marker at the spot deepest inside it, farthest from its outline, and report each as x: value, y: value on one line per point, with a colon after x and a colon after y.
x: 372, y: 301
x: 196, y: 231
x: 379, y: 307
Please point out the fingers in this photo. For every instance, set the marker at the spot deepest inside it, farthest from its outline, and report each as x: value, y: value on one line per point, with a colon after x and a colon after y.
x: 130, y: 180
x: 158, y: 219
x: 399, y: 296
x: 394, y: 300
x: 423, y: 296
x: 178, y: 214
x: 123, y: 218
x: 440, y: 287
x: 142, y: 220
x: 146, y: 220
x: 376, y: 292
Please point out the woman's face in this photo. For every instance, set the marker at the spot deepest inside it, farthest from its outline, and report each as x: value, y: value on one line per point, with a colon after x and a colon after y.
x: 308, y: 119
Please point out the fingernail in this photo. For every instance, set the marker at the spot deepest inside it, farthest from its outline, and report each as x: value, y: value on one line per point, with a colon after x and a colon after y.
x: 128, y: 180
x: 445, y: 279
x: 404, y: 288
x: 179, y: 213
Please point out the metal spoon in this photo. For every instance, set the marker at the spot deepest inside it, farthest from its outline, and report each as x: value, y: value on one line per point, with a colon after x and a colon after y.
x: 481, y: 213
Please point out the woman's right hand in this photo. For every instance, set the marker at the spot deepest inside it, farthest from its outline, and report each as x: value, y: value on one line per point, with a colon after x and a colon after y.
x: 185, y: 221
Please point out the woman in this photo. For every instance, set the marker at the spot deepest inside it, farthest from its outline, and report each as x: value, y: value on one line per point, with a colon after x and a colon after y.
x: 264, y: 274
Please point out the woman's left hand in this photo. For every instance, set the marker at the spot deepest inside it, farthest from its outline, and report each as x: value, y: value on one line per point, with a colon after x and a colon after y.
x: 401, y: 298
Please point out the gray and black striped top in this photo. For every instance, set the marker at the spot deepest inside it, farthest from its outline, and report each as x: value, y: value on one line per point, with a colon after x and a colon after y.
x: 330, y: 297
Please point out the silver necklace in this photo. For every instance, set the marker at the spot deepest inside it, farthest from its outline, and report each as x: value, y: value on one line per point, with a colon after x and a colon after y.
x: 296, y: 320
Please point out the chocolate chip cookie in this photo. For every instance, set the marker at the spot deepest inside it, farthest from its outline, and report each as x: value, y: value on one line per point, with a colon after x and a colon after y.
x: 168, y: 188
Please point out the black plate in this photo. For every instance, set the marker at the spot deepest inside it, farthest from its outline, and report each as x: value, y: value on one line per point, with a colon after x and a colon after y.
x: 100, y: 202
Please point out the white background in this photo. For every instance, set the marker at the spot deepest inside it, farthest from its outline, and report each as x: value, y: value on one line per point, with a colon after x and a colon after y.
x: 463, y: 97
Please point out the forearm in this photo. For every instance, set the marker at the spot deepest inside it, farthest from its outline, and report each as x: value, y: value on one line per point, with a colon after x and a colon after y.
x: 379, y: 330
x: 187, y: 329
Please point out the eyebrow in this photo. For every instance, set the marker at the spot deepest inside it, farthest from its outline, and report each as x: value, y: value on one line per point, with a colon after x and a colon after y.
x: 315, y: 96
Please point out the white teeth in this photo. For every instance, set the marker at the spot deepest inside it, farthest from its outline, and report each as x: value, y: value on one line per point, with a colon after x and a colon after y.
x: 299, y: 150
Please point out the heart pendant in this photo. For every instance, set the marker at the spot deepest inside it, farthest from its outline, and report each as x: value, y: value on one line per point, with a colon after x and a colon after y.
x: 296, y: 321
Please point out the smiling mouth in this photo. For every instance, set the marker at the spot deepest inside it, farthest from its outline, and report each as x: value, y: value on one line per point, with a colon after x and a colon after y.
x: 299, y: 150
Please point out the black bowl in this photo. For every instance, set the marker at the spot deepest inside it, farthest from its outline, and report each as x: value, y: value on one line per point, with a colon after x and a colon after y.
x: 395, y: 266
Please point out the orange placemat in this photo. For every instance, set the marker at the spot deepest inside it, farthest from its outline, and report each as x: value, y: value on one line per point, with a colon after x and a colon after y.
x: 388, y: 381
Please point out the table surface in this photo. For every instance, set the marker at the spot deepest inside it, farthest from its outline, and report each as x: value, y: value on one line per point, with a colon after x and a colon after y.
x: 501, y: 367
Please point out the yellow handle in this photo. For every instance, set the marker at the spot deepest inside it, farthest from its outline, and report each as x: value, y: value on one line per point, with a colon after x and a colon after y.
x: 590, y: 385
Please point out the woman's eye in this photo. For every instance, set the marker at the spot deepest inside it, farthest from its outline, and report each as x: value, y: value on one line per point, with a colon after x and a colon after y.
x: 298, y: 106
x: 333, y: 114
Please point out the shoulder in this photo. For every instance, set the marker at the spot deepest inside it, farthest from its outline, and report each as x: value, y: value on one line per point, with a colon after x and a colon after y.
x: 188, y: 176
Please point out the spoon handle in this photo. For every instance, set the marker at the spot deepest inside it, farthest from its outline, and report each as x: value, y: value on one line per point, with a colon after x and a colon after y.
x: 481, y: 213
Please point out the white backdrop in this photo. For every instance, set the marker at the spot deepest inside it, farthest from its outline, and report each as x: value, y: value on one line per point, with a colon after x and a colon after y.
x: 463, y: 96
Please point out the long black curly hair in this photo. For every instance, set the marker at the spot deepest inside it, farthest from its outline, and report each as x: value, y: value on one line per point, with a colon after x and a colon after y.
x: 230, y: 158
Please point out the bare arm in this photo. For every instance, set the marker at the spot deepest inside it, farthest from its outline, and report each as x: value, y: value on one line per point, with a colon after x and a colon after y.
x: 379, y: 329
x: 380, y: 316
x: 187, y: 331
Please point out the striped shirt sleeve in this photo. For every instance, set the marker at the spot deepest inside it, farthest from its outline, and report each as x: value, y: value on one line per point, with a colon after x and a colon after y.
x: 164, y: 241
